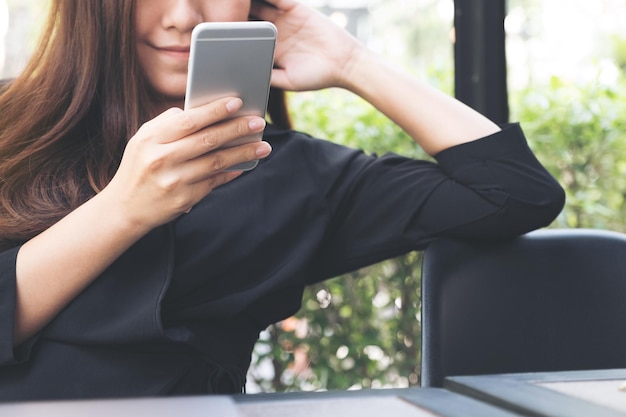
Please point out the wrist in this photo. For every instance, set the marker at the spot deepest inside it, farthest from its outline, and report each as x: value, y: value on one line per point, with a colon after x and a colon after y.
x: 359, y: 71
x: 122, y: 218
x: 348, y: 73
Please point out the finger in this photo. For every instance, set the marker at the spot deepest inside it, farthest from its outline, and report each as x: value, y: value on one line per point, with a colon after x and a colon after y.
x: 175, y: 124
x: 204, y: 167
x: 168, y: 113
x: 280, y: 79
x: 218, y: 135
x: 205, y: 187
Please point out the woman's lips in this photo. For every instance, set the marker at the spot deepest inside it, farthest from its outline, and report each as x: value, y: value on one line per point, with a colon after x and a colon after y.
x: 179, y: 52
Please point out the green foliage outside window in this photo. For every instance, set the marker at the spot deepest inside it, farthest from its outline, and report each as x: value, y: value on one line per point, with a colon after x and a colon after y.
x: 579, y: 133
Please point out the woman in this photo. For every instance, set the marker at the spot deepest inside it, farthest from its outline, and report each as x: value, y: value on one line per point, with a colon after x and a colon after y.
x: 134, y: 265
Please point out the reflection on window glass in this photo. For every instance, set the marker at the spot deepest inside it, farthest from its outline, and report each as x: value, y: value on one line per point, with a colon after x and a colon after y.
x: 577, y: 40
x: 20, y: 22
x: 4, y: 28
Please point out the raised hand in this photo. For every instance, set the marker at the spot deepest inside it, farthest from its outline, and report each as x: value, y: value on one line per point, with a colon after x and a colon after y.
x: 312, y: 52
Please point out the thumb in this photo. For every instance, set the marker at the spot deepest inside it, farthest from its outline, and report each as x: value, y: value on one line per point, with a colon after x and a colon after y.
x: 280, y: 79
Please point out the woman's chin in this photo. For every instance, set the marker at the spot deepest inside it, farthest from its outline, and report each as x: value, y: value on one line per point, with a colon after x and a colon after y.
x: 171, y: 97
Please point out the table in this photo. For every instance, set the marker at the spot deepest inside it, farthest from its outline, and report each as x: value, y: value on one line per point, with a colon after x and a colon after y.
x: 596, y: 393
x: 137, y: 407
x: 410, y: 402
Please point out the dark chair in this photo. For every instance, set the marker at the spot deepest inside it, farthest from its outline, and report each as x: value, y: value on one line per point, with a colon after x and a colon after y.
x: 551, y: 300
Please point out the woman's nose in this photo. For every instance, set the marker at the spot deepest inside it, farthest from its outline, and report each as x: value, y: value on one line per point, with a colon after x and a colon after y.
x: 183, y: 15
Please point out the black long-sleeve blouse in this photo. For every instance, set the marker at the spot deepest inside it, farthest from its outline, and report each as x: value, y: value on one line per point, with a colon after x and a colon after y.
x: 180, y: 311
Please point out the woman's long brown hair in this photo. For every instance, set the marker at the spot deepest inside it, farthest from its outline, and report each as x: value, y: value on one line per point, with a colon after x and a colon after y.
x: 65, y: 121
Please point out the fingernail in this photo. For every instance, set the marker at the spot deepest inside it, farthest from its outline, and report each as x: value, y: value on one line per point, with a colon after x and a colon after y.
x: 263, y: 150
x: 256, y: 124
x: 234, y: 104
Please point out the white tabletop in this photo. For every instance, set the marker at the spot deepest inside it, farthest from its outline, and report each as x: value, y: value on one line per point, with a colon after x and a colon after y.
x: 145, y: 407
x: 609, y: 393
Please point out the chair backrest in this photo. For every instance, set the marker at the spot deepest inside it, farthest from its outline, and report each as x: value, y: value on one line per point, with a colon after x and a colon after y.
x: 551, y: 300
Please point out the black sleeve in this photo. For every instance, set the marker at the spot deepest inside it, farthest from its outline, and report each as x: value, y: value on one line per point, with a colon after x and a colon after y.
x: 8, y: 354
x: 502, y: 170
x: 491, y: 188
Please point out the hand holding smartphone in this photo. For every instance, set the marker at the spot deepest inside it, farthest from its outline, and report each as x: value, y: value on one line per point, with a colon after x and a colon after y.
x: 232, y: 59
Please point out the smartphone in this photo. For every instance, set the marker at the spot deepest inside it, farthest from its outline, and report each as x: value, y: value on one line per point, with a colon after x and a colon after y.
x: 232, y: 59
